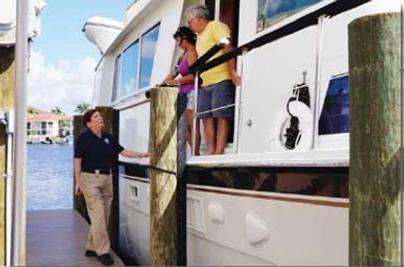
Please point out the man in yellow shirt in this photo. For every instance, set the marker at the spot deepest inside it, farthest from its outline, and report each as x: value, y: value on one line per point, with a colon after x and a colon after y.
x: 218, y: 83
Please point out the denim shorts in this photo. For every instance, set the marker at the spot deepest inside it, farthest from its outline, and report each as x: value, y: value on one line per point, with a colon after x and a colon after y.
x: 215, y: 96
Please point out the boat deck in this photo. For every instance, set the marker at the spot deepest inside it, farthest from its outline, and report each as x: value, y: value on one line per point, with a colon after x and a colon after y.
x: 57, y: 238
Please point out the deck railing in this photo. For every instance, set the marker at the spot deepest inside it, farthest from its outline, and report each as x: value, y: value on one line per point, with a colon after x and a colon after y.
x: 204, y: 63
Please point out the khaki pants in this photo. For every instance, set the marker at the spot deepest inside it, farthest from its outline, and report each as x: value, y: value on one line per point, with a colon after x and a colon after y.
x: 97, y: 190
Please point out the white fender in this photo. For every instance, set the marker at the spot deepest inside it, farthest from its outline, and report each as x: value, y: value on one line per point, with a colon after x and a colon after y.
x: 216, y: 213
x: 256, y: 229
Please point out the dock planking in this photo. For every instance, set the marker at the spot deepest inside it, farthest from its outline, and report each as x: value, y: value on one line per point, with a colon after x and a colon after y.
x: 57, y: 238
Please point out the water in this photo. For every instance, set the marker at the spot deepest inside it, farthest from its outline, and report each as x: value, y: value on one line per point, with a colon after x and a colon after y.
x: 49, y: 177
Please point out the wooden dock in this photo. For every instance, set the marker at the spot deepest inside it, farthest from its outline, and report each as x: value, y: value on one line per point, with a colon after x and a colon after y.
x: 57, y: 238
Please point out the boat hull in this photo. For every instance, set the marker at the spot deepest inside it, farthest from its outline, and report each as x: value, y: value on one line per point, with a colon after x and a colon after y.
x: 236, y: 222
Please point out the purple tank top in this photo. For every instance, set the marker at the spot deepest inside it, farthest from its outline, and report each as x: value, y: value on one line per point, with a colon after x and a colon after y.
x: 183, y: 70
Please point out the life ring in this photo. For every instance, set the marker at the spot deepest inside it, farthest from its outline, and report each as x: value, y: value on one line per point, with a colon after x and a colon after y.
x: 304, y: 114
x: 278, y: 135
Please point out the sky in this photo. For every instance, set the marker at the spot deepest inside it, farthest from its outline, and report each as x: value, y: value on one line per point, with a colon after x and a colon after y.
x: 62, y: 60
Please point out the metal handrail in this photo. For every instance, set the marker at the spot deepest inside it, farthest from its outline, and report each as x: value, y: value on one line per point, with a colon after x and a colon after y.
x: 203, y: 63
x: 197, y: 114
x: 320, y: 36
x: 194, y: 119
x: 215, y: 109
x: 332, y: 9
x: 208, y: 55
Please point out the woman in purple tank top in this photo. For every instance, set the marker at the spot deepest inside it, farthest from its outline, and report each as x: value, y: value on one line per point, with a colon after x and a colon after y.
x: 186, y: 39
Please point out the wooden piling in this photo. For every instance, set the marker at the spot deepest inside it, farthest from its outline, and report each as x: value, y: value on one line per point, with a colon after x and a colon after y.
x: 7, y: 80
x: 375, y: 154
x: 166, y: 162
x: 181, y: 180
x: 114, y: 233
x: 108, y: 115
x: 79, y: 204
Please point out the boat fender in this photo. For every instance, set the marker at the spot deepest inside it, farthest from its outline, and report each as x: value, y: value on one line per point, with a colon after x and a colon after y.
x: 216, y: 213
x: 256, y: 229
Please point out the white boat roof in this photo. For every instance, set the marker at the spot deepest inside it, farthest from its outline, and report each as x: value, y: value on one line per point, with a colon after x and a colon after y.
x: 8, y: 20
x: 7, y: 17
x: 102, y: 31
x: 146, y: 6
x: 106, y: 22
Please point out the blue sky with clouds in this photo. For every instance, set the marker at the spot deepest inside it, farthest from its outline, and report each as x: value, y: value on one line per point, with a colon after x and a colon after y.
x: 62, y: 21
x: 62, y: 60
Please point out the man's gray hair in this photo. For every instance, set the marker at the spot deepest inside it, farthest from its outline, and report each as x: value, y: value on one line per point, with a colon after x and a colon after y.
x: 198, y: 11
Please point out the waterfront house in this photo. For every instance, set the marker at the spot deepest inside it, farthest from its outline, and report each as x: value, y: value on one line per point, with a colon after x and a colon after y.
x: 43, y: 126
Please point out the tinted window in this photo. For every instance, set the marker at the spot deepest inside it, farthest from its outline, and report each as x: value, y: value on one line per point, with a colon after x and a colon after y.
x: 273, y: 11
x: 328, y: 182
x: 335, y: 114
x: 149, y: 41
x: 117, y: 78
x: 129, y: 74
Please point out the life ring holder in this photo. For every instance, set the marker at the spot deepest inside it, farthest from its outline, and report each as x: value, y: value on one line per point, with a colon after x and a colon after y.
x: 296, y: 124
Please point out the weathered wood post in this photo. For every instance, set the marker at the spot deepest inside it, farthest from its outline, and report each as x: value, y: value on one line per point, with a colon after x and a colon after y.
x: 79, y: 203
x: 167, y: 235
x: 375, y: 157
x: 181, y: 180
x: 7, y: 74
x: 108, y: 115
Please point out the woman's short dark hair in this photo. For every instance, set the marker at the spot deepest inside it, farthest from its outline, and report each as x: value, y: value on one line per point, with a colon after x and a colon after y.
x: 186, y: 33
x: 87, y: 116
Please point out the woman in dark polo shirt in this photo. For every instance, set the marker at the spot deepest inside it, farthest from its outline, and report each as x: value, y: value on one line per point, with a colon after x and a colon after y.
x: 94, y: 155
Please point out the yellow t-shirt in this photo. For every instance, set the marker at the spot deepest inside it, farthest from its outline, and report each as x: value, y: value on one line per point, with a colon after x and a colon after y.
x: 213, y: 33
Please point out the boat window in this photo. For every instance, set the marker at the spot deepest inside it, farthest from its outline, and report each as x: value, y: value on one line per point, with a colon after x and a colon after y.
x: 129, y: 71
x: 149, y: 41
x: 117, y: 78
x: 335, y: 114
x: 271, y: 12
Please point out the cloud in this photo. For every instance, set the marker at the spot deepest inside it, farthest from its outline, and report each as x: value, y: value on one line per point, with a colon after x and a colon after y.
x: 64, y: 84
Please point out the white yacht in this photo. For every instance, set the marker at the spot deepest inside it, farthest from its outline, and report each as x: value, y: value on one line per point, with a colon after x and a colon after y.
x: 279, y: 195
x: 8, y: 20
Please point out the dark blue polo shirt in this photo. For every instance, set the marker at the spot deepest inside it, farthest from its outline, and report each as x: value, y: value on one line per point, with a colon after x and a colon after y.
x: 95, y: 152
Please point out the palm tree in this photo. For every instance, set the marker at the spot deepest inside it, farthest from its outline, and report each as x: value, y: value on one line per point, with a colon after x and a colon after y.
x: 57, y: 111
x: 82, y: 107
x: 31, y: 111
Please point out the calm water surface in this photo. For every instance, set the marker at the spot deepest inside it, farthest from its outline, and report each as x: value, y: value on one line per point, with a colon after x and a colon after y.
x: 50, y: 177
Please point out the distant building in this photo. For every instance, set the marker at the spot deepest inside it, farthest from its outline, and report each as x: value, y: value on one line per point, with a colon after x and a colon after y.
x: 43, y: 126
